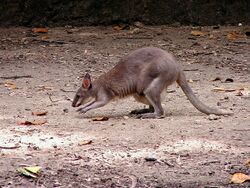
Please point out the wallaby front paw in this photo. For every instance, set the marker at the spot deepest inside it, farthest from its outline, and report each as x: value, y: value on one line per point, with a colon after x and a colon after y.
x: 81, y: 110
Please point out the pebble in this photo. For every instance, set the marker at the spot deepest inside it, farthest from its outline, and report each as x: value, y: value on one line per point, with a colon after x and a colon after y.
x: 150, y: 159
x: 213, y: 117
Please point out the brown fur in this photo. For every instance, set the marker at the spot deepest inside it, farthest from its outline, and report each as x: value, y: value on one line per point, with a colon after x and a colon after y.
x: 144, y: 73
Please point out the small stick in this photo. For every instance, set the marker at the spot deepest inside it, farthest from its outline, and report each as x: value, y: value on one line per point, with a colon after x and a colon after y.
x: 10, y: 147
x: 15, y: 77
x: 51, y: 98
x: 64, y: 90
x: 190, y: 69
x: 134, y: 181
x: 133, y: 37
x: 68, y: 98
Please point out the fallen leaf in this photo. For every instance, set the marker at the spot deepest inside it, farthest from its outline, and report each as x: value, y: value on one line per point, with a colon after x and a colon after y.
x: 248, y: 162
x: 39, y: 113
x: 100, y: 119
x: 45, y: 37
x: 120, y: 27
x: 39, y: 121
x: 33, y: 169
x: 197, y: 33
x: 40, y: 30
x: 34, y: 122
x: 85, y: 142
x: 232, y: 36
x: 30, y: 171
x: 24, y: 123
x: 26, y: 173
x: 10, y: 85
x: 239, y: 178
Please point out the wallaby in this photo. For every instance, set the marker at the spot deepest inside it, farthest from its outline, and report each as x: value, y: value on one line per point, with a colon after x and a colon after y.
x: 144, y: 73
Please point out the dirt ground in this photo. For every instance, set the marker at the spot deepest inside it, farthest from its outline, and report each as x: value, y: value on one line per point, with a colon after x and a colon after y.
x: 41, y: 72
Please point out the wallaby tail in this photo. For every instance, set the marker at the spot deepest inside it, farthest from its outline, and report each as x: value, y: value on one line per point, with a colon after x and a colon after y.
x: 195, y: 101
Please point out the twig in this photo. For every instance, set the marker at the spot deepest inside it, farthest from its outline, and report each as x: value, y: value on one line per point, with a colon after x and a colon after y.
x: 38, y: 180
x: 210, y: 162
x: 50, y: 41
x: 64, y: 90
x: 51, y: 98
x: 10, y: 147
x: 190, y: 69
x: 15, y: 77
x: 68, y: 98
x: 241, y: 129
x: 134, y: 37
x: 134, y: 181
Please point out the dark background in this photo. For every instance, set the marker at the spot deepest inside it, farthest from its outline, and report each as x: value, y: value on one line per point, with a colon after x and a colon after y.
x: 96, y: 12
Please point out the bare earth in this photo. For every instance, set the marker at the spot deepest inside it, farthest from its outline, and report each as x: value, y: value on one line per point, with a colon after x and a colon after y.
x: 184, y: 149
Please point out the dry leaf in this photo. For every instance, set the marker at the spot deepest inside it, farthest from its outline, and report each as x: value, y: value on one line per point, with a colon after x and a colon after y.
x: 85, y: 142
x: 120, y: 27
x: 248, y: 162
x: 39, y: 121
x: 26, y: 173
x: 197, y: 33
x: 232, y: 36
x: 24, y: 123
x: 31, y: 171
x: 10, y: 85
x: 100, y: 119
x: 240, y: 178
x: 45, y: 37
x: 39, y: 113
x: 40, y: 30
x: 34, y: 122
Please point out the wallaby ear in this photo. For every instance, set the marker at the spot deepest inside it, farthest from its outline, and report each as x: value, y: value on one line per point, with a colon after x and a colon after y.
x: 86, y: 83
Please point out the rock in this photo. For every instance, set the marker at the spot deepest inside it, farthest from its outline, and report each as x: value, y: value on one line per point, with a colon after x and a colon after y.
x: 213, y: 117
x: 150, y: 159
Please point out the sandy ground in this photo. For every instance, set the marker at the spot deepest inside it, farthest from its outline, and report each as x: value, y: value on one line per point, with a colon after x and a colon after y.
x: 184, y: 149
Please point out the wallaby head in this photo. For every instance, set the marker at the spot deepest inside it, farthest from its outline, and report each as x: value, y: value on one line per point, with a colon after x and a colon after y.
x: 84, y: 93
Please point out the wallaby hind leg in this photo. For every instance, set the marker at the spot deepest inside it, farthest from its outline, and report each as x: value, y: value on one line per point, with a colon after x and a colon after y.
x: 153, y: 95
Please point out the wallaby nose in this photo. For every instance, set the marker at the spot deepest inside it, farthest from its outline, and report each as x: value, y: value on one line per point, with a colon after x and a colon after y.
x: 75, y: 100
x: 75, y: 104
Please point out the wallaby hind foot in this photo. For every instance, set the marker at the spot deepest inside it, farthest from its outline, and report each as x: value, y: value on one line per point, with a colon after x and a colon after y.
x: 143, y: 111
x: 150, y: 116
